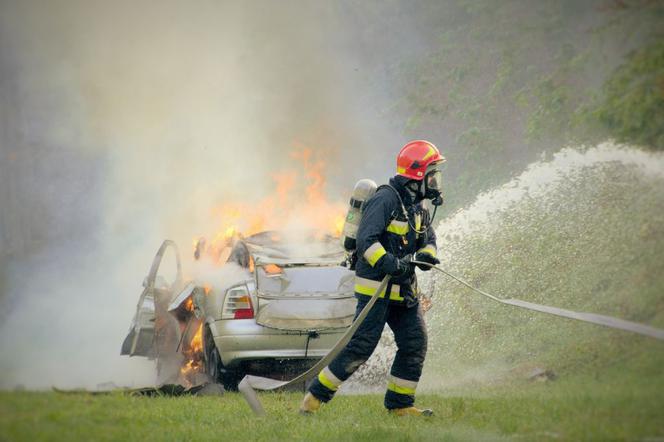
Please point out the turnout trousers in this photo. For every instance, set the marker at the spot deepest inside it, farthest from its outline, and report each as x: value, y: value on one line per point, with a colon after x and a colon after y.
x: 407, y: 324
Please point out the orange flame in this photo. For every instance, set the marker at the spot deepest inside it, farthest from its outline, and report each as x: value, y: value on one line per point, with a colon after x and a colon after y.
x: 193, y: 354
x: 287, y: 207
x: 272, y: 269
x: 196, y: 343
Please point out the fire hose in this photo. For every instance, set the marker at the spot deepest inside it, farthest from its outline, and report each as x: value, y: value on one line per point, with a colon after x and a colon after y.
x: 250, y: 383
x: 607, y: 321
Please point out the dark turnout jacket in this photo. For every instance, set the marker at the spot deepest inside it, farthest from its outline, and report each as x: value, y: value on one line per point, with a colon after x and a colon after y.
x: 385, y: 235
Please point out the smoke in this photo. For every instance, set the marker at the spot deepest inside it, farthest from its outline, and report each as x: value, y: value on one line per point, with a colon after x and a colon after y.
x: 123, y: 124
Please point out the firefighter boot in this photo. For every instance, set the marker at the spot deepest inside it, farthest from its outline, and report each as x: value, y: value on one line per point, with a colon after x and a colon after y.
x: 310, y: 404
x: 411, y: 411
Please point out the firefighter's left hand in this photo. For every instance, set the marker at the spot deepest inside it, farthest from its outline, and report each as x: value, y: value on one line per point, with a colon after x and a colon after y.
x: 425, y: 257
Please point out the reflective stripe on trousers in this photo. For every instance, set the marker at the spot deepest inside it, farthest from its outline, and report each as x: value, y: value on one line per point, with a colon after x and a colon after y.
x: 410, y: 336
x: 401, y: 386
x: 327, y: 378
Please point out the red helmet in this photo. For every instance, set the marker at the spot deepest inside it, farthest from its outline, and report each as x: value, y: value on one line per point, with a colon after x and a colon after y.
x: 415, y: 157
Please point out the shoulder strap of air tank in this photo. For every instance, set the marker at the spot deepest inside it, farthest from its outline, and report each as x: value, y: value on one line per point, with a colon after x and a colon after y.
x: 396, y: 192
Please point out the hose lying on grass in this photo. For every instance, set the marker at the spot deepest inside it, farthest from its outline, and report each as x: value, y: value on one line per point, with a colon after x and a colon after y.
x: 250, y: 383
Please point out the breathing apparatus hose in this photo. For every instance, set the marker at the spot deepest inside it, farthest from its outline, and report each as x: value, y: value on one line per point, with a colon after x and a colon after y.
x: 607, y: 321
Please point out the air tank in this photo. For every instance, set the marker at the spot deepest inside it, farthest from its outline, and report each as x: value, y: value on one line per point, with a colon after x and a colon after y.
x: 364, y: 189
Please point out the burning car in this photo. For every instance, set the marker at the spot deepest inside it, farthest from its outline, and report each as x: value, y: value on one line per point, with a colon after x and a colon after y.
x: 283, y: 307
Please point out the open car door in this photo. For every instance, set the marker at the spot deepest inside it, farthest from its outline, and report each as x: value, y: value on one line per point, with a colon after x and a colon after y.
x: 158, y: 291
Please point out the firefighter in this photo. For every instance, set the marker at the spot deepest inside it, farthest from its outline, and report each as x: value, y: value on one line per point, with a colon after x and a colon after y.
x: 393, y: 228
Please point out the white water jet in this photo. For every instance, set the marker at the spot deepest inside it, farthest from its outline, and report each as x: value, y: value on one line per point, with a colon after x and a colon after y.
x: 584, y: 202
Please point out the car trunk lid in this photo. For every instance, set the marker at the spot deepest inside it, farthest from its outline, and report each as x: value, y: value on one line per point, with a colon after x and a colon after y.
x: 305, y: 297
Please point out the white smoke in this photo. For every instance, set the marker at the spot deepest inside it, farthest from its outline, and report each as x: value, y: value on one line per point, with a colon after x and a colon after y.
x: 123, y: 124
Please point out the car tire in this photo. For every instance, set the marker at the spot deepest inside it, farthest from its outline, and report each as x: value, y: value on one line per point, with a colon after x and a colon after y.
x: 215, y: 368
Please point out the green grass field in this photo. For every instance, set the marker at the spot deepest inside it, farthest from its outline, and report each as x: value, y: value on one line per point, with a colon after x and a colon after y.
x: 579, y: 409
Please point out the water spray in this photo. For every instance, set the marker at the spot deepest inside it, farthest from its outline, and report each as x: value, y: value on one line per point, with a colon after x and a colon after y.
x: 250, y: 384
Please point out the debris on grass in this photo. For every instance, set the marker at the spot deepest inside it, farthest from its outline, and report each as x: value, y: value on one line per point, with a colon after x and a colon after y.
x: 205, y: 389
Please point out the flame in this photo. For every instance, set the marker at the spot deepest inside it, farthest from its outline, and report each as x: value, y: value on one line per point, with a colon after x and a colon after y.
x: 196, y: 343
x: 339, y: 224
x: 194, y: 359
x: 298, y: 202
x: 189, y: 304
x: 187, y: 369
x: 272, y: 269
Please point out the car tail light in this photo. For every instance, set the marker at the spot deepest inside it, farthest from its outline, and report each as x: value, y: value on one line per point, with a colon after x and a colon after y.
x: 237, y: 304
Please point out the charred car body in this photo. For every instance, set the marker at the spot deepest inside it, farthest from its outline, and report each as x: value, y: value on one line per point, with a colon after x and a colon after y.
x: 285, y: 308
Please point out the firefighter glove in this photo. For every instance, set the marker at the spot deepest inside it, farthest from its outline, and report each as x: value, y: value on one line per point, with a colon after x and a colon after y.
x: 403, y: 267
x: 425, y: 257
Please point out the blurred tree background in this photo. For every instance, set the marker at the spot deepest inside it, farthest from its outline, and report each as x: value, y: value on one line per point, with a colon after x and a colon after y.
x: 502, y: 84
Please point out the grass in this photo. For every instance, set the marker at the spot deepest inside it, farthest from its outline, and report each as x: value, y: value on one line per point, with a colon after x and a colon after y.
x: 573, y: 409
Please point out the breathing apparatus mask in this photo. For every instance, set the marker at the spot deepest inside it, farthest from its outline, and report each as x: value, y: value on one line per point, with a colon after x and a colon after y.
x: 431, y: 186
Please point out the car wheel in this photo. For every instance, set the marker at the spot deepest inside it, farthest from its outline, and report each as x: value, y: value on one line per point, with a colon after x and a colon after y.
x: 214, y: 367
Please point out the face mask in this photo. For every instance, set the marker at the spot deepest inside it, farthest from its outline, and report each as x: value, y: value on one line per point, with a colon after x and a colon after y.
x: 433, y: 184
